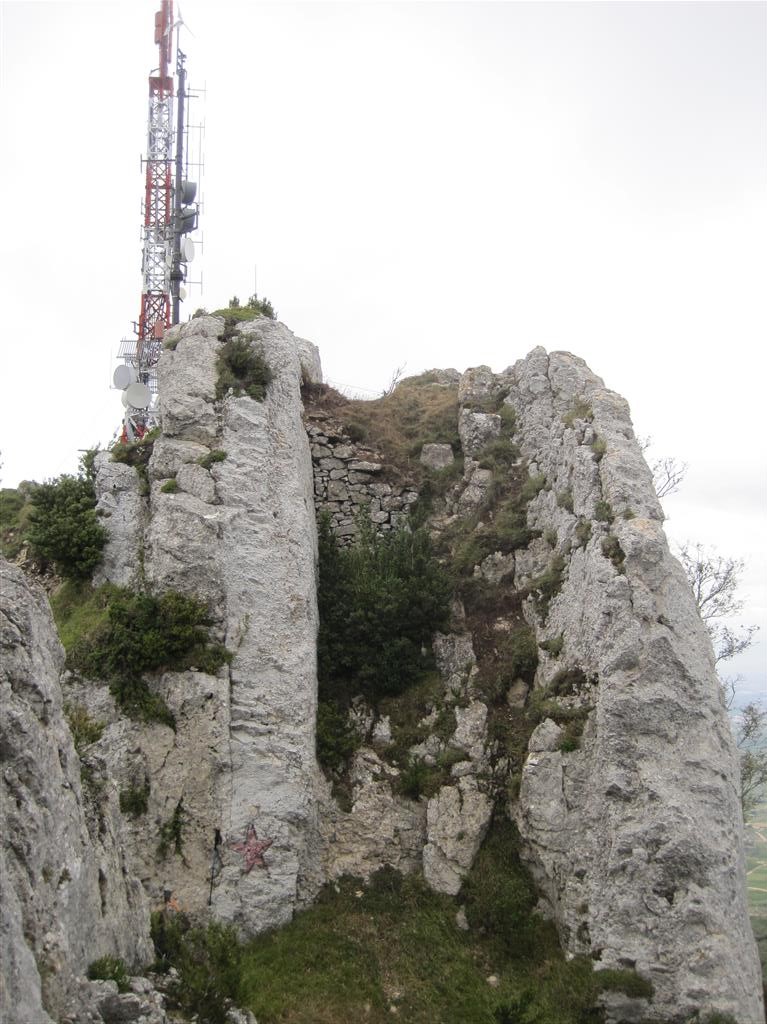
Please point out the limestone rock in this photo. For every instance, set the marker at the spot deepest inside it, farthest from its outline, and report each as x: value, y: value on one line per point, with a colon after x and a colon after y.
x: 639, y: 825
x: 476, y: 429
x: 457, y: 819
x: 437, y: 456
x: 67, y: 896
x: 477, y: 385
x: 122, y: 511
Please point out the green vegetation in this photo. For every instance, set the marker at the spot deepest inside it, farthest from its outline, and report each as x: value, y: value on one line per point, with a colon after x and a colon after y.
x: 78, y: 609
x: 170, y: 486
x: 603, y: 512
x: 391, y: 942
x: 550, y: 536
x: 553, y: 646
x: 118, y: 635
x: 336, y: 739
x: 623, y: 980
x: 381, y: 601
x: 418, y: 779
x: 135, y: 800
x: 63, y: 527
x: 611, y: 549
x: 545, y: 587
x: 580, y: 410
x: 240, y: 367
x: 85, y: 730
x: 582, y: 532
x: 14, y: 519
x: 565, y: 499
x: 599, y: 447
x: 172, y: 833
x: 216, y: 455
x: 254, y: 309
x: 110, y: 968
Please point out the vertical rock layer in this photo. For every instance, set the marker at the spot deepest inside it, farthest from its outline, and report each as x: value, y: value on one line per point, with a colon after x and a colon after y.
x: 67, y: 896
x: 635, y: 838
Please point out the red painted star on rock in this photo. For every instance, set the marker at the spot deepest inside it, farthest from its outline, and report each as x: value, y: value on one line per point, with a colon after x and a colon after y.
x: 253, y: 848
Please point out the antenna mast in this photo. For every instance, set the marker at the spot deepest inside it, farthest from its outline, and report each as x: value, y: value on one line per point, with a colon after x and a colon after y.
x: 169, y: 214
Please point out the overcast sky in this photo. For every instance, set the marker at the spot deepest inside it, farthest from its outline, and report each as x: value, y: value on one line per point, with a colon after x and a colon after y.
x: 425, y: 184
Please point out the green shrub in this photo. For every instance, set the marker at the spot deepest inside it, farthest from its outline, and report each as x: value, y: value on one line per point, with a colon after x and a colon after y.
x: 209, y: 964
x: 623, y: 980
x: 571, y: 736
x: 241, y: 368
x: 336, y: 739
x: 500, y: 454
x: 508, y: 416
x: 553, y: 646
x: 64, y: 528
x: 110, y: 968
x: 628, y: 513
x: 170, y: 486
x: 380, y: 601
x: 568, y: 682
x: 355, y: 432
x: 254, y: 310
x: 565, y: 499
x: 603, y: 511
x: 550, y: 536
x: 418, y: 779
x: 141, y: 633
x: 583, y: 532
x: 599, y: 447
x: 580, y: 410
x: 134, y: 801
x: 14, y: 520
x: 611, y: 548
x: 520, y: 654
x: 545, y: 587
x: 217, y: 455
x: 85, y: 730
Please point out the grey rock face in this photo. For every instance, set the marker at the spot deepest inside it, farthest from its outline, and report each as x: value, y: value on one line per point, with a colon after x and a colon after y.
x: 477, y: 428
x: 122, y: 510
x: 67, y: 895
x: 437, y: 456
x: 634, y: 837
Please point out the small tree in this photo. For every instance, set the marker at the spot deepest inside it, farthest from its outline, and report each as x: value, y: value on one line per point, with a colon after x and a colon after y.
x: 714, y: 581
x: 64, y: 528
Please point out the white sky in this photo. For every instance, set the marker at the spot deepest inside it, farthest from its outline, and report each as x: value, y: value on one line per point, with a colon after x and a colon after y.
x: 421, y: 183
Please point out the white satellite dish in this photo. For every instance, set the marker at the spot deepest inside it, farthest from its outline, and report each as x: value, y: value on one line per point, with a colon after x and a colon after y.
x: 123, y: 377
x: 187, y: 250
x: 124, y: 400
x: 138, y: 395
x: 182, y: 292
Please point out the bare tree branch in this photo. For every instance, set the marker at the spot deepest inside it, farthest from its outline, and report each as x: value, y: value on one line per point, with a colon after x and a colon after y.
x: 667, y: 475
x: 396, y: 377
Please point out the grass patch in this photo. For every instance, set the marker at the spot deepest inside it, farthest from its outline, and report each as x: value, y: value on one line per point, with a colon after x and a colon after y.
x: 545, y: 587
x: 603, y: 511
x: 85, y: 730
x: 14, y: 521
x: 553, y: 646
x: 217, y: 455
x: 565, y: 499
x: 582, y: 532
x: 110, y: 968
x: 599, y: 447
x: 170, y: 486
x: 135, y: 800
x: 580, y: 410
x: 172, y: 833
x: 78, y: 609
x: 611, y: 549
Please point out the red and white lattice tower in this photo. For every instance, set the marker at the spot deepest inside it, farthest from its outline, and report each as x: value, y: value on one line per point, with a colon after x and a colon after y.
x: 169, y: 214
x: 154, y: 318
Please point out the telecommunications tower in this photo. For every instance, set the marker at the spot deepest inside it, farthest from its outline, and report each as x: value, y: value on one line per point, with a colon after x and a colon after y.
x: 170, y: 215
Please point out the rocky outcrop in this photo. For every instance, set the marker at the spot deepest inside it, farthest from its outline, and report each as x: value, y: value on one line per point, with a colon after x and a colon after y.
x: 239, y: 771
x: 634, y: 838
x: 67, y: 894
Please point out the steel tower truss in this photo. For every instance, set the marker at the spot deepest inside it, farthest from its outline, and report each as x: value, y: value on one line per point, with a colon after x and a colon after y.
x: 158, y: 207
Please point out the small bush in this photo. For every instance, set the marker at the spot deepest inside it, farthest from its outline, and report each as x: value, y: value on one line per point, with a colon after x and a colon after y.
x: 217, y: 455
x: 110, y: 968
x: 134, y: 801
x: 336, y: 739
x: 85, y: 730
x: 64, y: 528
x: 550, y: 536
x: 583, y: 532
x: 418, y: 779
x: 603, y: 512
x: 170, y: 486
x: 499, y: 455
x: 611, y: 548
x: 628, y: 513
x: 209, y: 964
x: 571, y: 736
x: 508, y: 420
x: 545, y: 587
x: 355, y: 432
x: 520, y: 654
x: 565, y: 499
x: 14, y: 521
x: 242, y: 369
x: 626, y: 981
x: 580, y: 410
x: 598, y: 447
x: 553, y: 646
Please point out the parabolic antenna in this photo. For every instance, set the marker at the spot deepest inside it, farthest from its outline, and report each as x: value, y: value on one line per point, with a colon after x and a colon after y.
x: 124, y: 400
x: 182, y: 293
x: 123, y: 377
x: 187, y: 250
x: 138, y: 395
